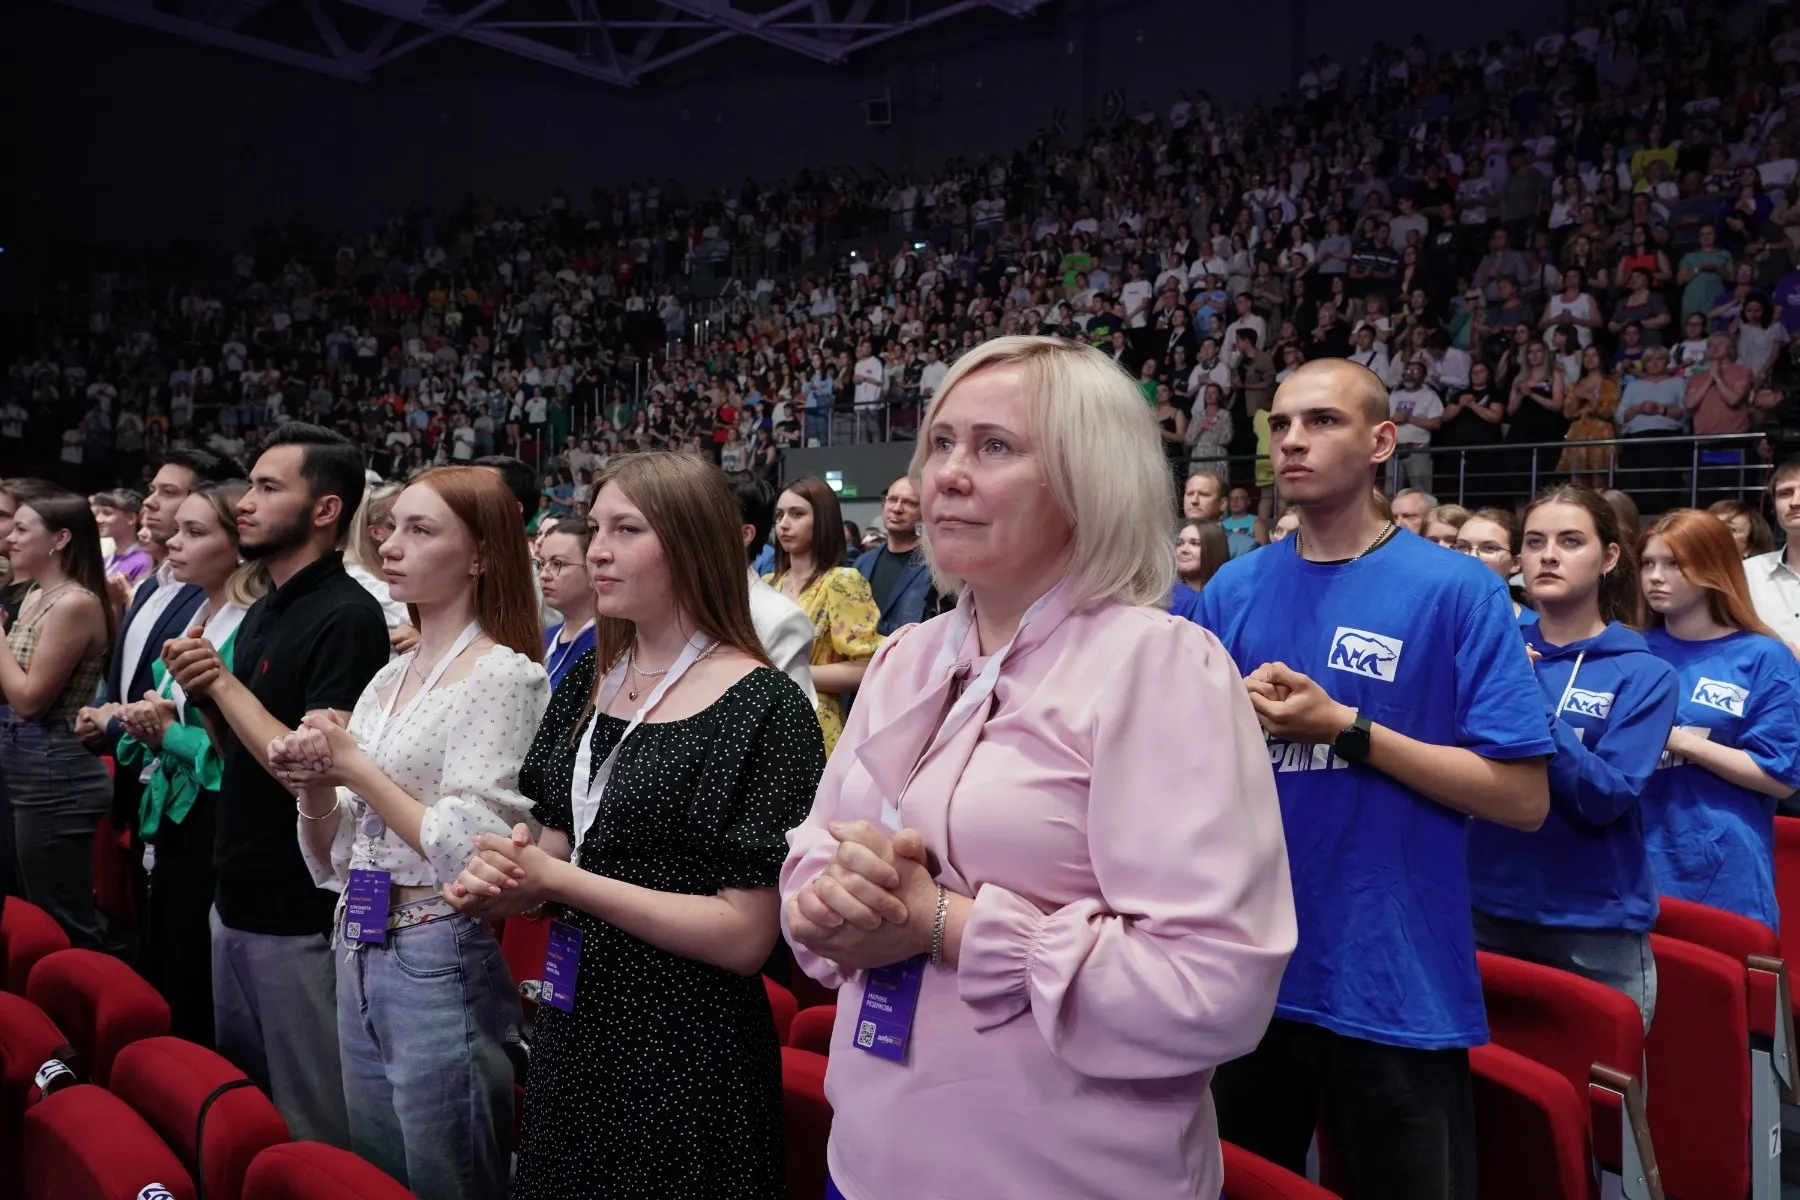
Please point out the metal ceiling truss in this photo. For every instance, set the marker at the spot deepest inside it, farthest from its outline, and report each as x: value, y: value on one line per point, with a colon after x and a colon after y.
x: 618, y: 42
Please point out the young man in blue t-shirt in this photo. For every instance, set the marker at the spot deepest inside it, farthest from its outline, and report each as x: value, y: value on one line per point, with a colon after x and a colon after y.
x: 1398, y: 702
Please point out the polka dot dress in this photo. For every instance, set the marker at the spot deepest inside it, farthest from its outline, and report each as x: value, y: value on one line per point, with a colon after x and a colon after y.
x: 665, y: 1081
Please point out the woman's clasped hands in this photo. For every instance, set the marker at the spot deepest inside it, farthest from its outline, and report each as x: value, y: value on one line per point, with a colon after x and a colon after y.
x: 506, y: 876
x: 321, y: 753
x: 875, y: 904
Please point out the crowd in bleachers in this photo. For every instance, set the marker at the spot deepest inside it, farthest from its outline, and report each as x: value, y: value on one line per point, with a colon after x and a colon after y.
x: 1549, y: 259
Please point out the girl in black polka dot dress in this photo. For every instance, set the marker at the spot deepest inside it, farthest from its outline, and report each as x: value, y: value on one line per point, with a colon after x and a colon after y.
x: 664, y: 1082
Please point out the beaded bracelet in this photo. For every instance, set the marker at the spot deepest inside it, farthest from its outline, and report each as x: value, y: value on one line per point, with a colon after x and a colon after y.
x: 937, y: 925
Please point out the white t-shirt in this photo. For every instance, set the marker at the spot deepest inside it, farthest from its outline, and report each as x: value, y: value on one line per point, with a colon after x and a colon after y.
x: 1136, y: 297
x: 870, y: 375
x: 536, y: 410
x: 1419, y: 402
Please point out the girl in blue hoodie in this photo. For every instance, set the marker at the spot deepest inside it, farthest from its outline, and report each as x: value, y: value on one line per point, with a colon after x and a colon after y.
x: 1736, y: 747
x: 1578, y: 893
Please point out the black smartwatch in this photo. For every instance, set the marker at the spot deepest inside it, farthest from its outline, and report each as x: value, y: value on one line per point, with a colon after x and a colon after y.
x: 1352, y: 745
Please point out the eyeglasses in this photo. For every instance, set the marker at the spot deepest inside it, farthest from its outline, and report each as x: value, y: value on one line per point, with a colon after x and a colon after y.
x: 1485, y: 550
x: 556, y: 566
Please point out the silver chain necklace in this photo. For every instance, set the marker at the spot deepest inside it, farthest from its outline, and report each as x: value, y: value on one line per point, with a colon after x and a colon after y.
x: 1379, y: 538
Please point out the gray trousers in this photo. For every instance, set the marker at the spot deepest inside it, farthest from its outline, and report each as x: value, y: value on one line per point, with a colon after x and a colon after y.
x: 275, y: 1019
x: 1618, y: 958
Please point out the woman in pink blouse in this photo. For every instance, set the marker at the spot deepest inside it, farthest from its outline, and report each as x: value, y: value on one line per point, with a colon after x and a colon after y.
x: 1106, y: 912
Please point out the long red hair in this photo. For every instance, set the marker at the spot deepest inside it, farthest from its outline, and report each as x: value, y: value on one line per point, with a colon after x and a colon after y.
x: 1708, y: 557
x: 505, y: 604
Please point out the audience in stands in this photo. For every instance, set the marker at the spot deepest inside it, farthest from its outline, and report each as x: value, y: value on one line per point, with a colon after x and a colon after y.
x: 1113, y: 985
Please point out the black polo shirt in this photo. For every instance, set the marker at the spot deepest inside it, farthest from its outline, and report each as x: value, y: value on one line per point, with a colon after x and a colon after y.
x: 313, y: 643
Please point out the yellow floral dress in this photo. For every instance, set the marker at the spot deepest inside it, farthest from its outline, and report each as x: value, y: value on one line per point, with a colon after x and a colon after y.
x: 844, y: 618
x: 1592, y: 406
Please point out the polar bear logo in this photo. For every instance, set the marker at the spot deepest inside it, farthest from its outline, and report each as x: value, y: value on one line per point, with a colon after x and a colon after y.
x: 1726, y: 697
x: 1589, y: 704
x: 1372, y: 655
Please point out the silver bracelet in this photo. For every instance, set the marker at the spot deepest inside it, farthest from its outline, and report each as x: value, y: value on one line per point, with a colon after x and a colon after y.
x: 937, y: 925
x: 337, y: 801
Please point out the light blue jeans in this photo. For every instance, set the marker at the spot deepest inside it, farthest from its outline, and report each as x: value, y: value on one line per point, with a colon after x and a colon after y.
x: 423, y: 1023
x: 1618, y: 958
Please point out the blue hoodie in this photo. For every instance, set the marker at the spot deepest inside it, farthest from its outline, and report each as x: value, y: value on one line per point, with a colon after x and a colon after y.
x: 1586, y: 867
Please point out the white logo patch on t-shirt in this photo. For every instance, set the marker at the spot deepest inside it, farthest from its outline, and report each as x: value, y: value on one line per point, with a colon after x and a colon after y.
x: 1372, y: 655
x: 1589, y: 704
x: 1726, y: 697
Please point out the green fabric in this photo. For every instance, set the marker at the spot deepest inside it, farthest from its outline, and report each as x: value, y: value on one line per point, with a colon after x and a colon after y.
x: 187, y: 765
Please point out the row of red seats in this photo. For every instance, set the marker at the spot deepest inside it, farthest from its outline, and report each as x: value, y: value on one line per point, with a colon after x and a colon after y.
x: 97, y: 1102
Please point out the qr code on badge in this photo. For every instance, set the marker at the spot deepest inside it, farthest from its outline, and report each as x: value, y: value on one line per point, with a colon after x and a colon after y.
x: 865, y: 1034
x: 353, y: 930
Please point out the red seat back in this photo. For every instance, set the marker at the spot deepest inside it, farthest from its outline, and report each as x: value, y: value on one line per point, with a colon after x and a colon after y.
x: 99, y: 1002
x: 782, y: 1006
x: 1561, y: 1020
x: 168, y: 1082
x: 1787, y: 884
x: 812, y: 1028
x: 27, y: 933
x: 112, y: 874
x: 314, y: 1171
x: 1736, y: 937
x: 806, y: 1120
x: 1698, y: 1075
x: 524, y: 943
x: 84, y: 1143
x: 1248, y: 1177
x: 27, y: 1039
x: 1531, y: 1130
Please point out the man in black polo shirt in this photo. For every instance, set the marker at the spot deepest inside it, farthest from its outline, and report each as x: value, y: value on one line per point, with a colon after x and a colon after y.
x: 311, y: 644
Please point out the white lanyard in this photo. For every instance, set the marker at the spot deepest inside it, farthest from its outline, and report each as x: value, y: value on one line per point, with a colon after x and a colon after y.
x: 559, y: 661
x: 584, y: 797
x: 219, y: 628
x: 962, y: 619
x: 371, y: 825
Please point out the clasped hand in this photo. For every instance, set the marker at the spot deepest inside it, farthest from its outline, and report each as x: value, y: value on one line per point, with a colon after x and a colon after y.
x: 193, y: 661
x: 321, y: 753
x: 1294, y: 707
x: 505, y: 876
x: 874, y: 904
x: 148, y: 719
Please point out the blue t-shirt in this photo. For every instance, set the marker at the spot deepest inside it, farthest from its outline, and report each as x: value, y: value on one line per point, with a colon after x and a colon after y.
x: 558, y: 659
x: 1424, y: 643
x: 1711, y: 841
x: 1586, y: 867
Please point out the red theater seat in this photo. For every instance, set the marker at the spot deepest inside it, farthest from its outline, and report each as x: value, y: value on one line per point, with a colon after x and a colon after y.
x: 1531, y: 1130
x: 812, y: 1027
x: 99, y: 1002
x: 1699, y: 1072
x: 1787, y: 885
x: 27, y: 933
x: 169, y: 1082
x: 1248, y: 1177
x: 112, y: 874
x: 28, y: 1039
x: 524, y: 943
x: 806, y: 1121
x: 84, y: 1143
x: 1589, y: 1034
x: 314, y: 1171
x: 782, y: 1006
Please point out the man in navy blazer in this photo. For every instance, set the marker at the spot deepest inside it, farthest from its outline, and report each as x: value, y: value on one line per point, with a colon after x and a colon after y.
x: 896, y: 571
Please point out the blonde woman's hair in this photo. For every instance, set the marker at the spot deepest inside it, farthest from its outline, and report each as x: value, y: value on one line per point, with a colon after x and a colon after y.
x: 1103, y: 463
x: 359, y: 547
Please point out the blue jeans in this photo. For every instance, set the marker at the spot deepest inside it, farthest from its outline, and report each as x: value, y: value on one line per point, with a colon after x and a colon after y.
x: 423, y: 1023
x: 1618, y: 958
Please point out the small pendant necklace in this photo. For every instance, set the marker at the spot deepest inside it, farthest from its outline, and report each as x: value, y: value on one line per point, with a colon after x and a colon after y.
x: 1379, y: 538
x: 631, y: 692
